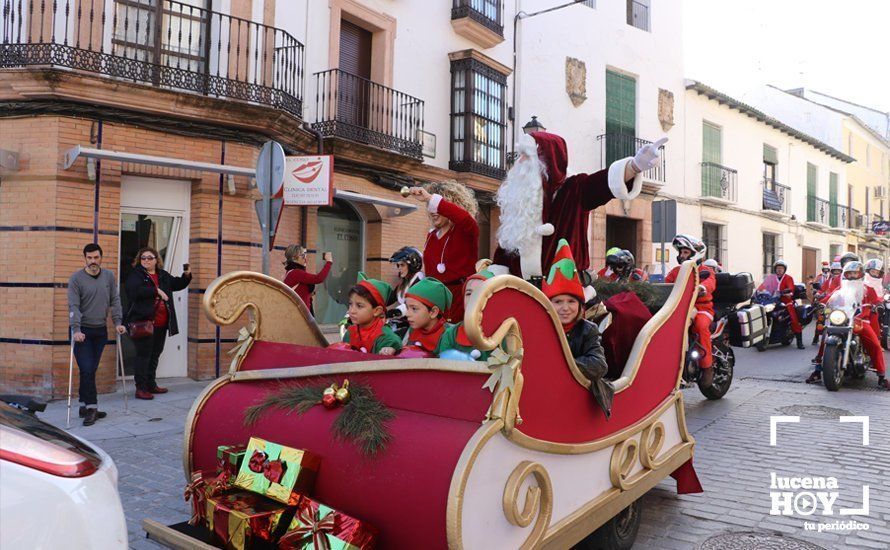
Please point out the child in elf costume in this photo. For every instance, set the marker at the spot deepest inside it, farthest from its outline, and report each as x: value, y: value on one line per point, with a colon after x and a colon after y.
x: 563, y: 287
x: 427, y: 301
x: 455, y: 337
x: 367, y: 312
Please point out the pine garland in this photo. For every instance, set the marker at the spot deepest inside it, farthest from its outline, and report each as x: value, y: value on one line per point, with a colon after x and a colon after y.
x: 362, y: 420
x: 650, y: 297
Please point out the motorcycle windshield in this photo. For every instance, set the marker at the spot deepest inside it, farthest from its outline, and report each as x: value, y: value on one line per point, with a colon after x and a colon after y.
x: 770, y: 284
x: 846, y: 299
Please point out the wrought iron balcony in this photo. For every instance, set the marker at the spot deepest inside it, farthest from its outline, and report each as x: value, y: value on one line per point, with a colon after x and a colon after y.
x: 618, y: 146
x: 839, y: 218
x: 856, y: 220
x: 488, y: 13
x: 776, y: 197
x: 818, y: 210
x: 162, y: 43
x: 718, y: 182
x: 356, y: 109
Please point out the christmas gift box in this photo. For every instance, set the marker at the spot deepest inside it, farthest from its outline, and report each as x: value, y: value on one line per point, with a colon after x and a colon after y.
x: 205, y: 484
x: 230, y: 457
x: 242, y: 519
x: 276, y: 471
x: 319, y: 527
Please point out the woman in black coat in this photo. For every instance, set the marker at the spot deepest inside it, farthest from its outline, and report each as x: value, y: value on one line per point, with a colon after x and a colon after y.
x: 149, y: 289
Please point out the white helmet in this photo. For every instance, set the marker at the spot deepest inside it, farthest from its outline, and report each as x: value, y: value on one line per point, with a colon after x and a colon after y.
x: 694, y: 244
x: 712, y: 263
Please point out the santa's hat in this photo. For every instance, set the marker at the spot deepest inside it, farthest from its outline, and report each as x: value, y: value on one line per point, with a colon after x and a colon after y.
x: 379, y: 290
x: 431, y: 292
x: 563, y: 277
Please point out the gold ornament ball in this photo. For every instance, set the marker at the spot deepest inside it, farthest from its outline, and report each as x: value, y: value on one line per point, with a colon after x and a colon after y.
x: 330, y: 391
x: 405, y: 191
x: 342, y: 395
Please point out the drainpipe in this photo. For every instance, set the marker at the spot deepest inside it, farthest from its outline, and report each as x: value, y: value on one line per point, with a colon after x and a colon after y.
x: 304, y: 211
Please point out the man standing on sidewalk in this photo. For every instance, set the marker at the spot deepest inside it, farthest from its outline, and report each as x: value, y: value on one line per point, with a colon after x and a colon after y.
x: 92, y: 291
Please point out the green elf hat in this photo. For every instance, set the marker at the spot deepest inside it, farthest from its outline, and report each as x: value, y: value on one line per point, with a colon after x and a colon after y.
x: 483, y: 275
x: 563, y: 277
x: 378, y: 289
x: 431, y: 292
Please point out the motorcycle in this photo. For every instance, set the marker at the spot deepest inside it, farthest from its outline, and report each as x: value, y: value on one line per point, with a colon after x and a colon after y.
x: 778, y: 318
x: 843, y: 354
x: 883, y: 310
x: 723, y: 358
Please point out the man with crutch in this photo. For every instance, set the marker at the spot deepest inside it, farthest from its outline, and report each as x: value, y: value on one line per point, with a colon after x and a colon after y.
x: 92, y: 292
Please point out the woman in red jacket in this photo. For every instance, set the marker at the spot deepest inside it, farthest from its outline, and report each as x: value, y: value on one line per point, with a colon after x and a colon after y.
x: 300, y: 280
x: 452, y: 245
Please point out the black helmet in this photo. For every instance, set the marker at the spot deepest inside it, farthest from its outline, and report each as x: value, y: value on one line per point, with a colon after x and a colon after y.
x: 411, y: 256
x: 621, y: 262
x: 694, y: 244
x: 849, y: 257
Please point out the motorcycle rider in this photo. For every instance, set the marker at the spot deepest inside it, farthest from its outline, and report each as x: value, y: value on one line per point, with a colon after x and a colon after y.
x: 409, y: 269
x: 779, y: 282
x: 621, y: 267
x: 821, y: 296
x: 874, y: 275
x: 714, y: 265
x: 692, y: 248
x: 823, y: 277
x: 853, y: 277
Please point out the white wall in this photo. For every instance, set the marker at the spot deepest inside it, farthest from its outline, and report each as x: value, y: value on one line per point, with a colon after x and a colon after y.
x: 818, y: 121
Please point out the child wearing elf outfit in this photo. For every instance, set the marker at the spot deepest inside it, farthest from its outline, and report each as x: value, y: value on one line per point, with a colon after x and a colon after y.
x: 563, y: 287
x: 369, y: 332
x: 427, y: 301
x: 455, y: 336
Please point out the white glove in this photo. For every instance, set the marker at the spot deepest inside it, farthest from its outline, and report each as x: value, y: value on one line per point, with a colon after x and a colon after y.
x: 544, y: 230
x: 647, y: 156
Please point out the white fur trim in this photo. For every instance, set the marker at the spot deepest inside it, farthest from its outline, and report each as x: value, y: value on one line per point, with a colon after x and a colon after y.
x: 498, y: 269
x: 546, y: 229
x: 616, y: 181
x: 589, y: 293
x: 434, y: 203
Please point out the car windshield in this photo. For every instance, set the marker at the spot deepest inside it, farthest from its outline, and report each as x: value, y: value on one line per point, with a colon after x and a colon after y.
x: 18, y: 419
x: 846, y: 298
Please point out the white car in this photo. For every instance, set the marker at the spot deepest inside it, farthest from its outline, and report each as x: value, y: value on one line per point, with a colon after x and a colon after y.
x: 56, y: 491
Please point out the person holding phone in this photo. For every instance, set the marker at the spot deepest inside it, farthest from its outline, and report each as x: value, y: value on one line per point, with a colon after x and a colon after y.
x: 300, y: 280
x: 151, y: 316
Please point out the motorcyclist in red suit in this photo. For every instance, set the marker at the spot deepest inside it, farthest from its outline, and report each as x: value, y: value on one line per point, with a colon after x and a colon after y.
x: 782, y: 283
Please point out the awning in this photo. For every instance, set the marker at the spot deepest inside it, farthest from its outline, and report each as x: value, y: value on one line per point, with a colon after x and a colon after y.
x: 392, y: 208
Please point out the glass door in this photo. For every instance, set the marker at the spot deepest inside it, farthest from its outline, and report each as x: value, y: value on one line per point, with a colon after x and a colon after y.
x: 157, y: 231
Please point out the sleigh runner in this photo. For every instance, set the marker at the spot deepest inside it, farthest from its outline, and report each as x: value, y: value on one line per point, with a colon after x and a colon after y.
x: 509, y: 454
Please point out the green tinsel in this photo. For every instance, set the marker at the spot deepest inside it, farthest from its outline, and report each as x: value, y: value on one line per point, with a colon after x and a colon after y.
x: 651, y: 298
x: 362, y: 419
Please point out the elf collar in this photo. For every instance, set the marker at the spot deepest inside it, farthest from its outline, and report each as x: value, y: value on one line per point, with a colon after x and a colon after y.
x: 363, y: 338
x: 428, y: 339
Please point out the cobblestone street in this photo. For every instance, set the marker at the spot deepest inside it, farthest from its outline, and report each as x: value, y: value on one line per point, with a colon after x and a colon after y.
x: 733, y: 458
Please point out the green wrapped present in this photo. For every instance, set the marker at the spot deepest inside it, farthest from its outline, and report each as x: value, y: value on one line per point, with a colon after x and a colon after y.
x: 230, y: 457
x: 319, y: 527
x: 276, y: 471
x: 241, y: 519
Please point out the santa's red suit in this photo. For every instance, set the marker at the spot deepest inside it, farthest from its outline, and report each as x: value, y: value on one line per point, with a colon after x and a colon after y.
x: 867, y: 326
x: 834, y: 283
x: 607, y: 274
x: 704, y: 311
x: 568, y: 201
x: 451, y: 257
x: 784, y: 285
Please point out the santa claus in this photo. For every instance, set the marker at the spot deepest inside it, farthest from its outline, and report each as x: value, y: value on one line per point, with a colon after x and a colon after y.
x: 540, y: 205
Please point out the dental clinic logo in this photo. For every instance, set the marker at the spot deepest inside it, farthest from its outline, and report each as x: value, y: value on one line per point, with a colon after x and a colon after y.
x: 810, y: 496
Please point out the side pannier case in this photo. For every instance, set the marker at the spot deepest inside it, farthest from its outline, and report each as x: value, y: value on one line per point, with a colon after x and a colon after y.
x: 749, y: 326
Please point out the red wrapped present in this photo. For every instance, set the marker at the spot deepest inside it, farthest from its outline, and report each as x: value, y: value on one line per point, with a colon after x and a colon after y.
x: 319, y: 527
x: 229, y: 458
x: 204, y: 484
x: 240, y: 519
x: 276, y: 471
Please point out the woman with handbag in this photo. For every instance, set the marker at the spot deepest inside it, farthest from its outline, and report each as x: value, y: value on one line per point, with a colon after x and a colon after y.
x: 151, y: 316
x: 300, y: 280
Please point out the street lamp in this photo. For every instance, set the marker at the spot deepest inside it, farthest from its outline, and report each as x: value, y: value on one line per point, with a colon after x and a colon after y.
x: 533, y: 125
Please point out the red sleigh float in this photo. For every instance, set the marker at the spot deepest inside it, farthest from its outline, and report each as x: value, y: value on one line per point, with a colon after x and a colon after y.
x: 534, y: 464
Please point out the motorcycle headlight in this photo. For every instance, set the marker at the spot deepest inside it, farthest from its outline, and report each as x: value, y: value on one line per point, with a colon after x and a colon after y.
x: 837, y: 317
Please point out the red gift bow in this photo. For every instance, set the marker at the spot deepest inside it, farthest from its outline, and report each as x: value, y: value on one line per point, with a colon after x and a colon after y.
x: 194, y: 491
x: 273, y: 470
x: 311, y: 526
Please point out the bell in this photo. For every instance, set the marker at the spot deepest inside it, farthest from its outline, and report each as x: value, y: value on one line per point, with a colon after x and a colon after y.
x: 405, y: 191
x: 342, y: 394
x: 332, y: 390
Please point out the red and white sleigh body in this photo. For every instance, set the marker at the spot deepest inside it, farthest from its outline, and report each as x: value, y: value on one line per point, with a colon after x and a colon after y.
x: 534, y: 464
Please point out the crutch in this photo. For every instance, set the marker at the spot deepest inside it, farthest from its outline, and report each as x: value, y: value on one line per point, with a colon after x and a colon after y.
x: 120, y: 358
x: 70, y: 375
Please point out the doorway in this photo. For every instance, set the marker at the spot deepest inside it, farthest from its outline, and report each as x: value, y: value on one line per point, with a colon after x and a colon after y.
x: 154, y: 213
x: 353, y: 103
x: 623, y: 233
x: 340, y: 231
x: 810, y: 267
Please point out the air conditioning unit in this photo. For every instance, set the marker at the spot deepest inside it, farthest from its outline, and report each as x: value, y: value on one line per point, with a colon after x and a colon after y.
x: 880, y: 192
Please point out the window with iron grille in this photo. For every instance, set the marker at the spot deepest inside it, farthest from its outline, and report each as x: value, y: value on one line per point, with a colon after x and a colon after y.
x: 163, y: 32
x: 771, y: 251
x: 487, y: 12
x: 712, y: 236
x: 638, y: 14
x: 590, y: 3
x: 478, y: 118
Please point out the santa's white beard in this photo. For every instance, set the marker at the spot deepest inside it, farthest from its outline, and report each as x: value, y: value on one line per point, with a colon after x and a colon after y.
x: 521, y: 201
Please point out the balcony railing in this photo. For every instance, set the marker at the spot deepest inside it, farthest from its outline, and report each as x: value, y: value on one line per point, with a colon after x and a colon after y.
x: 161, y: 43
x: 618, y: 146
x: 818, y: 210
x: 359, y: 110
x: 718, y: 182
x: 776, y: 197
x: 488, y: 13
x: 839, y: 217
x: 857, y: 220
